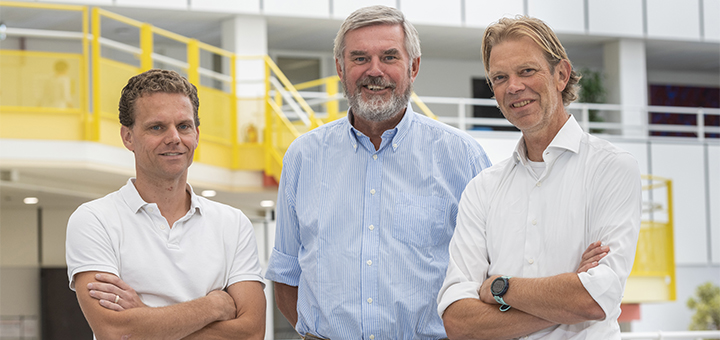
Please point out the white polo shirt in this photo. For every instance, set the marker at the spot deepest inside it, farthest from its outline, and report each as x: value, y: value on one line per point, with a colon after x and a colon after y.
x: 212, y: 247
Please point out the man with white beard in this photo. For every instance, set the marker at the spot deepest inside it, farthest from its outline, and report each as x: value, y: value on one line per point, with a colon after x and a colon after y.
x: 367, y: 205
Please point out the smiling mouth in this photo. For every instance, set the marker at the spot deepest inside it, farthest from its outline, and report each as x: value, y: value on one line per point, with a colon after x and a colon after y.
x: 375, y: 87
x: 171, y: 154
x: 521, y: 104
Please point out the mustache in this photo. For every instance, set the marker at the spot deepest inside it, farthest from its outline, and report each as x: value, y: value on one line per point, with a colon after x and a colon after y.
x: 376, y: 81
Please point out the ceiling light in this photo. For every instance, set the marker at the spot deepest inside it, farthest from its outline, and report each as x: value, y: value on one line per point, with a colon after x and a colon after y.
x: 267, y: 204
x: 208, y: 193
x: 30, y: 200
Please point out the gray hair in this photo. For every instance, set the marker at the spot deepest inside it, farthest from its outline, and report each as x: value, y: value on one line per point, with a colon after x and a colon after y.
x: 377, y: 15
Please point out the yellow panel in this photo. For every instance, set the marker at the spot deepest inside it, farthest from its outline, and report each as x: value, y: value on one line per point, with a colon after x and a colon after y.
x: 653, y: 275
x: 214, y: 154
x: 215, y: 110
x: 113, y: 77
x: 32, y: 125
x: 40, y: 79
x: 251, y: 156
x: 646, y: 289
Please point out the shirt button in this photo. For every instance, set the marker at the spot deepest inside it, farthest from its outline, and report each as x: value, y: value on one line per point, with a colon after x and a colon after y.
x: 538, y: 183
x: 372, y: 337
x: 161, y: 226
x: 151, y: 209
x: 534, y: 222
x: 394, y: 145
x: 374, y: 156
x: 369, y: 300
x: 369, y: 262
x: 372, y: 191
x: 371, y: 227
x: 531, y: 261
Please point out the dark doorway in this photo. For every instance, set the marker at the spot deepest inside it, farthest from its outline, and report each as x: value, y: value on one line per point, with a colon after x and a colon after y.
x: 481, y: 89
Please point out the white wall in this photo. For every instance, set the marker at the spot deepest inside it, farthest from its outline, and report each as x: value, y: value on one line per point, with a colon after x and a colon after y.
x: 673, y: 19
x: 19, y: 270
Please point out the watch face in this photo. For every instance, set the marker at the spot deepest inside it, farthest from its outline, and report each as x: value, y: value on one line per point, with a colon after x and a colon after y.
x: 497, y: 286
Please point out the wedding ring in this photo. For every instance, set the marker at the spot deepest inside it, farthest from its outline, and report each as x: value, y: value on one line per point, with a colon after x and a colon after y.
x: 117, y: 298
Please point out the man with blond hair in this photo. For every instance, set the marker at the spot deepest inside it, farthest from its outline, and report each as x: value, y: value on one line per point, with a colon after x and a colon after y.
x: 546, y: 239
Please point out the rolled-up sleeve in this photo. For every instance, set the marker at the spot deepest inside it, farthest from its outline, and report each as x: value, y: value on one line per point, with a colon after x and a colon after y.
x: 615, y: 220
x: 284, y: 266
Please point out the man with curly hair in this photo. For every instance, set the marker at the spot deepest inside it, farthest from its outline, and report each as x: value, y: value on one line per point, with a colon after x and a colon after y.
x: 153, y: 260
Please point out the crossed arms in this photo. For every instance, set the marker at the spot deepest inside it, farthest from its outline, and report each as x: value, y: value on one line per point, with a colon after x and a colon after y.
x: 537, y: 303
x: 236, y: 313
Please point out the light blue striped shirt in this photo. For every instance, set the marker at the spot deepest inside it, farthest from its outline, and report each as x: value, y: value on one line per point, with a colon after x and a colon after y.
x: 364, y: 234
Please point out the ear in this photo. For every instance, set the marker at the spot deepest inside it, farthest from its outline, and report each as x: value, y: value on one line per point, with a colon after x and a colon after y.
x: 126, y: 135
x: 338, y: 67
x: 562, y: 74
x: 415, y: 68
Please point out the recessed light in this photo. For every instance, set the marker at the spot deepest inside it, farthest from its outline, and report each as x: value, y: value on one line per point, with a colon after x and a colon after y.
x: 30, y: 200
x: 208, y: 193
x: 267, y: 204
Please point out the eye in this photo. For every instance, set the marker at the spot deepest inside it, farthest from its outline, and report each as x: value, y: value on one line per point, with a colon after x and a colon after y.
x: 390, y: 57
x: 527, y: 71
x: 497, y: 79
x: 184, y: 126
x: 156, y: 127
x: 360, y: 59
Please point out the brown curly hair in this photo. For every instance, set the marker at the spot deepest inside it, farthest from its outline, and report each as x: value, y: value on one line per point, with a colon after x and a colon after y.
x: 541, y: 34
x: 154, y: 81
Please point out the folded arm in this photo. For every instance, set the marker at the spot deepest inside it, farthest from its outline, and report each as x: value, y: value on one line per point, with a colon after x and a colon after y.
x: 170, y: 322
x: 482, y: 318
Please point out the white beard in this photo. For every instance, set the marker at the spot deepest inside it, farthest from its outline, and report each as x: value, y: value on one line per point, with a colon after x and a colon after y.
x: 377, y: 109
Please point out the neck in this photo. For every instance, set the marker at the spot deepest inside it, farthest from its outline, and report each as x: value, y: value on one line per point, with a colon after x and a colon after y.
x: 537, y: 141
x: 171, y: 196
x: 374, y: 130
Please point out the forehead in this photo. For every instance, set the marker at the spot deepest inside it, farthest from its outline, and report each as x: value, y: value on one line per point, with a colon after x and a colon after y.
x: 375, y: 38
x: 515, y: 52
x: 162, y: 105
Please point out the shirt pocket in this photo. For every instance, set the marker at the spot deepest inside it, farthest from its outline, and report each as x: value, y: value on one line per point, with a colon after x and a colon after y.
x: 420, y: 220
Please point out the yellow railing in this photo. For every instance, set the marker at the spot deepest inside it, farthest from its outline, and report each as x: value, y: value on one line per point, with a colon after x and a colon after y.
x: 653, y: 275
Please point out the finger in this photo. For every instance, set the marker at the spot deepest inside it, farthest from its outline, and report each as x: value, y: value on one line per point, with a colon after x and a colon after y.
x: 111, y: 305
x: 590, y: 253
x: 104, y: 287
x: 112, y: 279
x: 584, y: 268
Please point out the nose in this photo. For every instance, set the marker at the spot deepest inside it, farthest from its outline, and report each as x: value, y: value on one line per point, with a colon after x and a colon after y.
x: 172, y: 136
x: 515, y: 85
x: 375, y: 68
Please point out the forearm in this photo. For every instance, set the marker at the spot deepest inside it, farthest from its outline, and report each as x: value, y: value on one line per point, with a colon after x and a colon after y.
x: 474, y: 319
x: 559, y: 299
x: 171, y: 322
x: 231, y: 329
x: 286, y: 298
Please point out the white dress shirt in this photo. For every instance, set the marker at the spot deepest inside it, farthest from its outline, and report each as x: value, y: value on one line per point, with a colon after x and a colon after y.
x: 512, y: 221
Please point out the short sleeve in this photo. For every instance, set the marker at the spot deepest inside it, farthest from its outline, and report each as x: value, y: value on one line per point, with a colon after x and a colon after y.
x: 88, y: 245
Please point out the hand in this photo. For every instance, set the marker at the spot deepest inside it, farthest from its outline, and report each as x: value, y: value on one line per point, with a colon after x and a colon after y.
x: 113, y: 293
x: 592, y: 256
x: 227, y: 308
x: 485, y: 292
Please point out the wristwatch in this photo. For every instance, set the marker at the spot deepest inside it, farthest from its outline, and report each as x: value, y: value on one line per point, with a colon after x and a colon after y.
x: 498, y: 288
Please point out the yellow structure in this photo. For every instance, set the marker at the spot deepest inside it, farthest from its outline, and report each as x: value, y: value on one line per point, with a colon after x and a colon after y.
x: 223, y: 142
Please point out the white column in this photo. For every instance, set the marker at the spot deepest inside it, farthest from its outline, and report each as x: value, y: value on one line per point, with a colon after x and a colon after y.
x: 247, y: 36
x: 626, y: 83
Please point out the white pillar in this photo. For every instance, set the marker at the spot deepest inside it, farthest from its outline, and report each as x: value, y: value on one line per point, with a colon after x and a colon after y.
x: 626, y: 83
x: 247, y: 36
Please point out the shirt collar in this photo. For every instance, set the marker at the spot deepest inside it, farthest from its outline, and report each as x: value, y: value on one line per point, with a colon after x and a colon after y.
x: 132, y: 197
x: 395, y: 135
x: 568, y: 138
